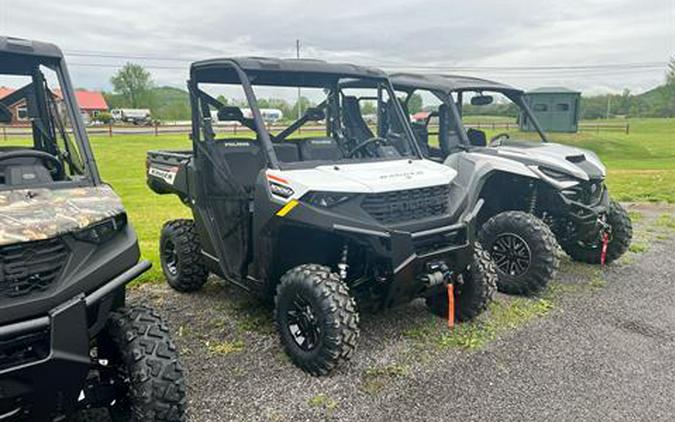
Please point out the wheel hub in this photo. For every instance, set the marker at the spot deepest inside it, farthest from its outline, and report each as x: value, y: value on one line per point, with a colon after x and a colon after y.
x: 511, y: 254
x: 170, y: 258
x: 303, y: 324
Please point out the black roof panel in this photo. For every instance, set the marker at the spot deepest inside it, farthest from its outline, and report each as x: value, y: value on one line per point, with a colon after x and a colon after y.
x: 280, y: 72
x: 447, y: 83
x: 28, y: 47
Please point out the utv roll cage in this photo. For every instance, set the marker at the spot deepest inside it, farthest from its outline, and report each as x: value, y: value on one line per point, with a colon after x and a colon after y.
x: 306, y: 73
x: 15, y: 59
x: 442, y: 86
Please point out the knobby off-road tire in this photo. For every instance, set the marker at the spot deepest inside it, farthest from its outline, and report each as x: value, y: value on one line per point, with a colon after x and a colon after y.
x: 473, y: 291
x: 141, y: 349
x: 524, y: 250
x: 181, y: 256
x: 619, y: 242
x: 311, y: 296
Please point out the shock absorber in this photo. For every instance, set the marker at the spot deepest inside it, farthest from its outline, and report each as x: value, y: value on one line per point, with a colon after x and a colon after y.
x: 343, y: 266
x: 533, y: 198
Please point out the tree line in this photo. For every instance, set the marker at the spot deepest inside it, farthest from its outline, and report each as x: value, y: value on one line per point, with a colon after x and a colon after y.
x: 134, y: 87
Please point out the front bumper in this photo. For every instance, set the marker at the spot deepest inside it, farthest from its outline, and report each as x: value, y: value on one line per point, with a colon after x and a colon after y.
x: 408, y: 255
x: 44, y: 361
x: 585, y: 217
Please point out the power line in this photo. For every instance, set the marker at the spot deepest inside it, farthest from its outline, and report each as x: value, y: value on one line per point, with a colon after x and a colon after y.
x: 467, y: 68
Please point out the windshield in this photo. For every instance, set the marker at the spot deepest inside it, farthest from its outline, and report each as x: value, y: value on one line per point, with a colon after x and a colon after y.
x: 307, y: 125
x: 497, y: 116
x: 443, y: 124
x: 38, y: 148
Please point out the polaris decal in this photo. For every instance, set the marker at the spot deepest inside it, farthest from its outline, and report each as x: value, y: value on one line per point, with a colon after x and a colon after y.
x: 166, y: 174
x: 407, y: 175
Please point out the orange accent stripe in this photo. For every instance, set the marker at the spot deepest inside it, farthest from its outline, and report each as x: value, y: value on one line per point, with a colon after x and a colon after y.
x: 277, y: 178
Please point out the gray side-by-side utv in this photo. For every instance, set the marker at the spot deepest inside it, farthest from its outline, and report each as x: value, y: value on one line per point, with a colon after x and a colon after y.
x: 68, y: 343
x: 530, y: 188
x: 318, y: 223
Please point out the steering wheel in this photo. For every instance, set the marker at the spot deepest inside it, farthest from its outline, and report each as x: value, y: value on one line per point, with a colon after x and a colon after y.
x: 374, y: 140
x: 497, y: 140
x: 52, y: 163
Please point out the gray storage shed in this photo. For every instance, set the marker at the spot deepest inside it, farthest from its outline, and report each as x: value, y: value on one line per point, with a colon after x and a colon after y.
x: 556, y: 109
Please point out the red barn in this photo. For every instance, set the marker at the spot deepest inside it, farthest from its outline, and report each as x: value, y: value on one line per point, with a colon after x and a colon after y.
x: 90, y: 102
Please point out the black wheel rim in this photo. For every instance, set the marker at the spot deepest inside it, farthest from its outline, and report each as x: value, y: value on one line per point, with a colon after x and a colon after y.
x: 511, y: 254
x: 303, y: 324
x: 170, y: 258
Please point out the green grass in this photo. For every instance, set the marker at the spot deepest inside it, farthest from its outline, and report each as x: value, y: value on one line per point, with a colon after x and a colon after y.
x: 375, y: 379
x: 503, y: 315
x: 641, y: 168
x: 322, y: 401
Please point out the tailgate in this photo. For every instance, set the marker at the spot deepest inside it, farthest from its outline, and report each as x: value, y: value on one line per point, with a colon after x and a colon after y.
x: 166, y: 171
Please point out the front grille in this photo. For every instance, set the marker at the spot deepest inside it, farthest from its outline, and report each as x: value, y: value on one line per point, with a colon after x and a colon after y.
x: 588, y: 193
x: 29, y: 267
x: 24, y: 349
x: 407, y: 205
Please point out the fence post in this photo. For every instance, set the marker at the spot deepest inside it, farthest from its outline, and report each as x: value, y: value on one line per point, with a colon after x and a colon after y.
x: 110, y: 129
x: 627, y: 128
x: 235, y: 128
x: 4, y: 133
x: 156, y: 128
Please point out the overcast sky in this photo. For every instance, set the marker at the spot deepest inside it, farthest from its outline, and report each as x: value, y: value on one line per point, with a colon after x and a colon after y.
x: 491, y: 38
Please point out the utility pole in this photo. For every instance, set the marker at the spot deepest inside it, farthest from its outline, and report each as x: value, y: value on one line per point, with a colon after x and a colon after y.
x: 297, y: 56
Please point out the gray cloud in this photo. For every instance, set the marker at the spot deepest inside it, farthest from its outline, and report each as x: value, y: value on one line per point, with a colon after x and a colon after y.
x: 393, y: 34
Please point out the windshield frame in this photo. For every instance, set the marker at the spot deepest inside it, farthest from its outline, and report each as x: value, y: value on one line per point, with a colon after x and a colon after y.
x: 29, y: 65
x: 245, y: 80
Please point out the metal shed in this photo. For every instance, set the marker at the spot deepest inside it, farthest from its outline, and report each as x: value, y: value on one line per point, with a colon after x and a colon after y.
x: 556, y: 109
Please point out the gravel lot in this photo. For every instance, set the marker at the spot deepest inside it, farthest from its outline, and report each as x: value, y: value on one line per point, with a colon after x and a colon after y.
x: 598, y: 346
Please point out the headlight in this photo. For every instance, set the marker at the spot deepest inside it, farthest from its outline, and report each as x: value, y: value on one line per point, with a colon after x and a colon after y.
x: 281, y: 190
x: 557, y: 175
x: 102, y: 231
x: 326, y: 199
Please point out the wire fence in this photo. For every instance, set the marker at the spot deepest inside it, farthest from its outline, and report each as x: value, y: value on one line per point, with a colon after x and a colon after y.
x: 23, y: 131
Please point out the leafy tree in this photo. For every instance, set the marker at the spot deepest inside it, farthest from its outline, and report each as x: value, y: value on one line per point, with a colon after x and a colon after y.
x: 135, y: 84
x: 222, y: 99
x: 304, y: 103
x: 415, y: 104
x: 368, y: 107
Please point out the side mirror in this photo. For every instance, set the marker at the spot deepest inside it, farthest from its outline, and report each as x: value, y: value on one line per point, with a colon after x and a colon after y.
x: 315, y: 114
x: 481, y: 100
x: 5, y: 114
x: 477, y: 138
x: 230, y: 113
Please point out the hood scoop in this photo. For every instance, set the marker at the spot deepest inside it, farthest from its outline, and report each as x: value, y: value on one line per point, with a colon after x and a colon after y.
x: 578, y: 158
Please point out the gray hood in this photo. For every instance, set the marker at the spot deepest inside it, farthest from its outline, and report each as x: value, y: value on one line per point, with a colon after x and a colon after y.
x: 578, y: 162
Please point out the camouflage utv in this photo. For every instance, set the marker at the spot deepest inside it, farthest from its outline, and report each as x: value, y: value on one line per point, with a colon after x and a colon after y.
x: 69, y: 347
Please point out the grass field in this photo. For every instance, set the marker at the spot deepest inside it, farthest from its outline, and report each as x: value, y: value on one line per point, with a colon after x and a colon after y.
x: 641, y: 168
